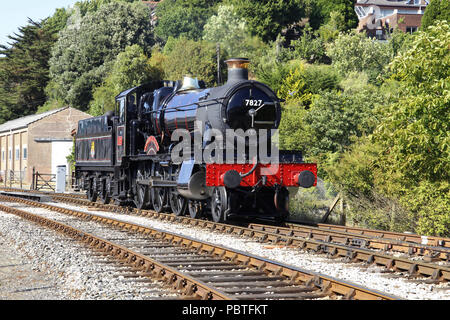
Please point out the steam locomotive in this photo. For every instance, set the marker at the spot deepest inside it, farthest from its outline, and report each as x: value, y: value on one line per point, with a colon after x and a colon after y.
x: 134, y: 155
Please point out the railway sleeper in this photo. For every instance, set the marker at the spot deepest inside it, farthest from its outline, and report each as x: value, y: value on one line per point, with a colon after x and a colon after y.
x: 291, y: 289
x: 234, y: 278
x: 193, y: 260
x: 213, y: 267
x: 251, y: 284
x: 227, y: 272
x: 296, y: 296
x: 199, y: 264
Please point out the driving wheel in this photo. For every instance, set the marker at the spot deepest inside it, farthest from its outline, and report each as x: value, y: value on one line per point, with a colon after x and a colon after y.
x: 178, y: 203
x: 196, y: 208
x: 219, y: 204
x: 158, y: 198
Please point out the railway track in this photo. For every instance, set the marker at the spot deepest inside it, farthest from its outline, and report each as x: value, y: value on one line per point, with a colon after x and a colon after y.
x: 370, y: 250
x: 431, y: 246
x: 416, y: 259
x: 196, y: 269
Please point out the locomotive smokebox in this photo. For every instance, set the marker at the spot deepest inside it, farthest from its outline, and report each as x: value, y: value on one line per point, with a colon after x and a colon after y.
x: 237, y: 69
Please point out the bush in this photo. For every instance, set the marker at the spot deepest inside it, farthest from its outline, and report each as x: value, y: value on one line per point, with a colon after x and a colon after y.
x: 82, y: 56
x: 309, y: 47
x: 130, y: 69
x: 354, y: 52
x: 198, y: 59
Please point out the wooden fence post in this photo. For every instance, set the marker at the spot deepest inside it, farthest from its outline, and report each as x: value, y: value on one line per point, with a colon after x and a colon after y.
x: 32, y: 180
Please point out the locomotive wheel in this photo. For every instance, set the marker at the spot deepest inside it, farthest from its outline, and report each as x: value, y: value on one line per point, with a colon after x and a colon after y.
x: 281, y: 201
x: 219, y: 204
x: 178, y: 203
x: 141, y: 197
x: 91, y: 194
x: 196, y: 209
x: 159, y: 198
x: 104, y: 196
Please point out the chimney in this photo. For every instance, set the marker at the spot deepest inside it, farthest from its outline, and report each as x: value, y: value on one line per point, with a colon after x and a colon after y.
x: 237, y: 69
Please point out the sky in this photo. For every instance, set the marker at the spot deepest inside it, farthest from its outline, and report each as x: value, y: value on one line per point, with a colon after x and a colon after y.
x: 15, y: 13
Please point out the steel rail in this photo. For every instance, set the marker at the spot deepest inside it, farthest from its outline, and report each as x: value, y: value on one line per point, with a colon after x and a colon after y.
x: 414, y: 268
x: 359, y: 240
x: 388, y: 235
x: 407, y: 237
x: 324, y: 285
x: 436, y: 247
x: 171, y: 276
x: 345, y: 246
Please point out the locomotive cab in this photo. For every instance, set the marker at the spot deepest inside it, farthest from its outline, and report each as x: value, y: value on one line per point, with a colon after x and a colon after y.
x: 135, y: 110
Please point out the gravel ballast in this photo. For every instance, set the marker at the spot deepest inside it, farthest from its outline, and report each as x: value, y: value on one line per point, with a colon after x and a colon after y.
x: 41, y: 264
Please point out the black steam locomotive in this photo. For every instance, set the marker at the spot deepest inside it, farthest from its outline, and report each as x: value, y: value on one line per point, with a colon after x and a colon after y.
x: 128, y: 155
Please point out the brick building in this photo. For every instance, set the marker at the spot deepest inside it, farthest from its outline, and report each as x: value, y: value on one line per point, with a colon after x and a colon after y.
x: 42, y: 141
x: 380, y: 17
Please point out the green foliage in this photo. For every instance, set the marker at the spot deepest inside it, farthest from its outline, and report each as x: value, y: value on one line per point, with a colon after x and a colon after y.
x: 309, y: 46
x: 24, y: 69
x: 185, y: 18
x: 89, y: 6
x: 343, y: 8
x: 198, y: 59
x: 294, y: 88
x: 130, y: 69
x: 230, y: 30
x: 336, y: 119
x: 293, y: 132
x: 270, y: 62
x: 303, y: 81
x: 355, y: 52
x: 429, y: 202
x: 402, y: 169
x: 82, y: 56
x: 416, y: 130
x: 436, y: 10
x: 273, y: 74
x: 266, y: 18
x: 330, y: 31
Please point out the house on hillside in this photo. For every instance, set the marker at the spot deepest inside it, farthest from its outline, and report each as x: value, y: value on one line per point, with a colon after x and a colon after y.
x: 40, y: 141
x: 379, y: 17
x: 152, y: 6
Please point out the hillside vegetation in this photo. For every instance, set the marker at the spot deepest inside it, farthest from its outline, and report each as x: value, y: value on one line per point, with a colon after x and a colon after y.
x: 373, y: 115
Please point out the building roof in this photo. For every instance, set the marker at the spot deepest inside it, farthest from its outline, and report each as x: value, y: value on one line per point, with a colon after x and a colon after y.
x: 151, y: 4
x: 393, y: 3
x: 25, y: 121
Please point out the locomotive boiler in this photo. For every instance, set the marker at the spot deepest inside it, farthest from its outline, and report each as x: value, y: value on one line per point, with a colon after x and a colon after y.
x: 179, y: 146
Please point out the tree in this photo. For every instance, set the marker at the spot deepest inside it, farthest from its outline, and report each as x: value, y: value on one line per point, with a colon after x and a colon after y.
x: 303, y: 81
x: 436, y: 10
x: 266, y: 18
x: 24, y: 69
x: 130, y: 69
x: 416, y: 128
x: 309, y: 46
x: 83, y: 54
x: 198, y: 59
x: 185, y: 18
x: 345, y: 8
x: 354, y: 52
x: 228, y: 29
x: 409, y: 149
